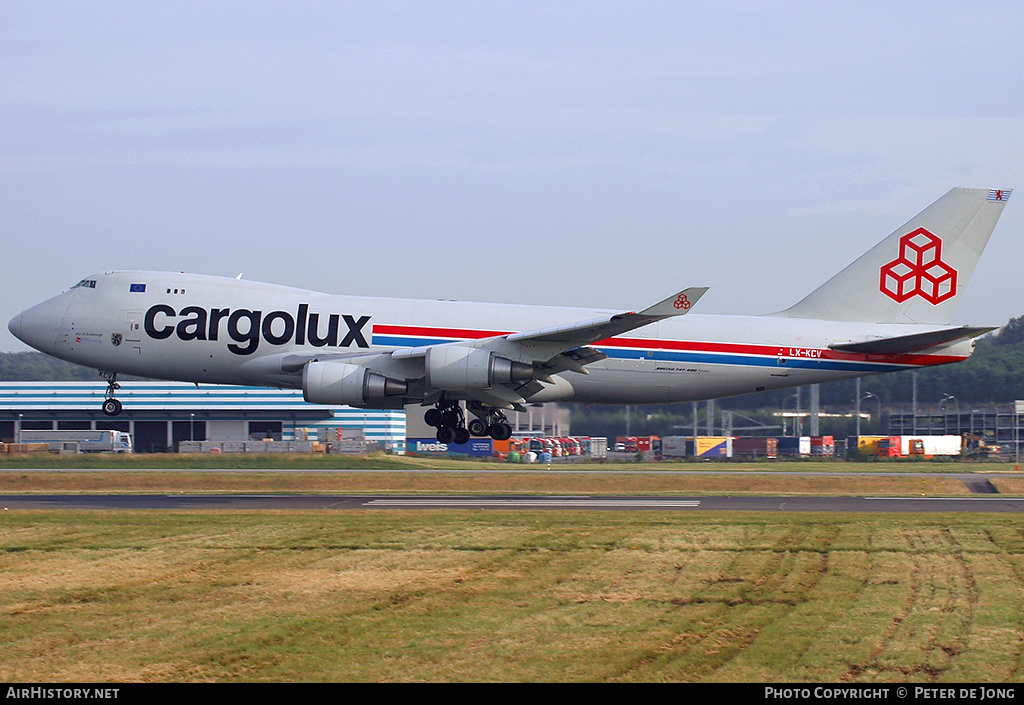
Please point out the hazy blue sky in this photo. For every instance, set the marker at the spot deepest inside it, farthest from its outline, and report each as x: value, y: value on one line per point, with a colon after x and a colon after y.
x: 569, y: 153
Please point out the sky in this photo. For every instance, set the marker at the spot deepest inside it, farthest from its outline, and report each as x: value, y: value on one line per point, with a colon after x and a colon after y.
x: 593, y: 154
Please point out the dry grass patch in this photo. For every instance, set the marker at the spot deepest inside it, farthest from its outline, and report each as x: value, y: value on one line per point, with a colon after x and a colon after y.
x: 507, y: 596
x: 561, y: 482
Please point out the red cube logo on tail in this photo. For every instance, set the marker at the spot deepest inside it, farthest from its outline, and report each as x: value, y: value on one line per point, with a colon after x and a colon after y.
x: 919, y: 270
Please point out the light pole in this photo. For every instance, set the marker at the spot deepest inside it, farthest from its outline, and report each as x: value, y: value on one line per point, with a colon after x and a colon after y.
x: 944, y: 408
x: 784, y: 402
x: 856, y: 408
x: 1018, y: 409
x: 869, y: 395
x: 914, y: 417
x: 796, y: 414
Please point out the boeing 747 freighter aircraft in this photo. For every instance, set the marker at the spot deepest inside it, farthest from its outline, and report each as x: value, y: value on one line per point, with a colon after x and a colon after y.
x: 889, y: 310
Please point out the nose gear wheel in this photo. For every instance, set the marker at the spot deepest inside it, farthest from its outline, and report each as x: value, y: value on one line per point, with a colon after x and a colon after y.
x: 111, y: 406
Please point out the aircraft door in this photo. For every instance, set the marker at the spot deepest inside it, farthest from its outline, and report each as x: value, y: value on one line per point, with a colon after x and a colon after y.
x: 780, y: 369
x: 131, y: 331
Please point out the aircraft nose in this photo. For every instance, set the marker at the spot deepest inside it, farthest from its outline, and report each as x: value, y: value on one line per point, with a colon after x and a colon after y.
x: 15, y: 326
x: 38, y: 326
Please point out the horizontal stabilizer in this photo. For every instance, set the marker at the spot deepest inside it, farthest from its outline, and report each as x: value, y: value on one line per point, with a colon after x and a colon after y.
x: 904, y: 344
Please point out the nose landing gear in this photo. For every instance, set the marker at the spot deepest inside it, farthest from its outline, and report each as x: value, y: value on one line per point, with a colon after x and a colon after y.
x: 111, y: 406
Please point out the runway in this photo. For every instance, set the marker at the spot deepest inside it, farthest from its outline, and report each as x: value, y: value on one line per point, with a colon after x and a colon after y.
x: 251, y: 502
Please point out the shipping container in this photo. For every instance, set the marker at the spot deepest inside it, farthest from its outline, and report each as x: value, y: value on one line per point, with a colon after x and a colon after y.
x: 675, y: 446
x: 637, y: 444
x: 792, y: 446
x: 755, y: 447
x: 707, y: 447
x: 867, y: 445
x: 714, y: 447
x: 823, y: 446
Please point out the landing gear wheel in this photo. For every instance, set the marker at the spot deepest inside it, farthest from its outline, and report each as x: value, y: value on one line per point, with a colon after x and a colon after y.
x: 489, y: 421
x: 448, y: 419
x: 111, y: 406
x: 501, y: 431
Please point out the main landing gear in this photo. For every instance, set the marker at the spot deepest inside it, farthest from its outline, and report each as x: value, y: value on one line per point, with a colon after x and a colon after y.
x: 111, y: 406
x: 489, y: 422
x: 450, y: 422
x: 447, y: 418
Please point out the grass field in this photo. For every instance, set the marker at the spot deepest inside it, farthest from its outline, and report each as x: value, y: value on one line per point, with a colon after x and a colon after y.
x: 381, y: 461
x: 353, y: 474
x: 501, y: 596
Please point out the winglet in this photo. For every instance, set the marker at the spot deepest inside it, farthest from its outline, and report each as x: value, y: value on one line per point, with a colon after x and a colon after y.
x: 586, y: 332
x: 677, y: 304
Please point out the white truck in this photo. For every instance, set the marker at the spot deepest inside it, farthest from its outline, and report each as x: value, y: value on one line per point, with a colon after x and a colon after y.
x: 931, y: 445
x: 88, y: 441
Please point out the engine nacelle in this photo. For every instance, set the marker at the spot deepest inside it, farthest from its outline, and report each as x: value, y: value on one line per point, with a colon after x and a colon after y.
x: 458, y: 368
x: 326, y: 382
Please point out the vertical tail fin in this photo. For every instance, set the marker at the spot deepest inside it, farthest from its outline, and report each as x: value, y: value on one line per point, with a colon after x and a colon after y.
x: 915, y: 275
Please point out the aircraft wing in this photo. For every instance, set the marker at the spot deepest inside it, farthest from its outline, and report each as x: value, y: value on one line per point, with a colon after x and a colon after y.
x: 574, y: 339
x: 543, y: 352
x: 574, y: 335
x: 905, y: 344
x: 585, y: 332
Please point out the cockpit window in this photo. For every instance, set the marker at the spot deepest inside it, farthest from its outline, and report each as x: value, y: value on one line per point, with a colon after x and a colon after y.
x: 87, y: 283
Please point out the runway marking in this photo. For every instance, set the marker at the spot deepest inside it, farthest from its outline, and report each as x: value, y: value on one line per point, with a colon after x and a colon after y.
x: 598, y: 503
x: 997, y: 498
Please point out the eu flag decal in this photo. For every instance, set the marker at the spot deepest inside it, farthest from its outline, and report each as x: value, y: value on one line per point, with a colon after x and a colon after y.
x: 137, y: 288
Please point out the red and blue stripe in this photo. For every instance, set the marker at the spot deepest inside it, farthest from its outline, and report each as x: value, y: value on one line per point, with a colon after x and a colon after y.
x: 687, y: 351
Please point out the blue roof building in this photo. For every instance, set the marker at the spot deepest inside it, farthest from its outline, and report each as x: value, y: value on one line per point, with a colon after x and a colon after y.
x: 159, y: 415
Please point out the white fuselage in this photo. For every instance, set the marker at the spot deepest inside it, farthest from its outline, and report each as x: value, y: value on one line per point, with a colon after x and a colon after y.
x: 208, y: 329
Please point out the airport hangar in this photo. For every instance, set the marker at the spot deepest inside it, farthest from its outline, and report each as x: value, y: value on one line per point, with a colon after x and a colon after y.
x: 160, y: 415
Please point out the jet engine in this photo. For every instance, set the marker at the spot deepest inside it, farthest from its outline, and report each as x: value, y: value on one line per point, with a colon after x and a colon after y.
x: 454, y: 367
x: 326, y: 382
